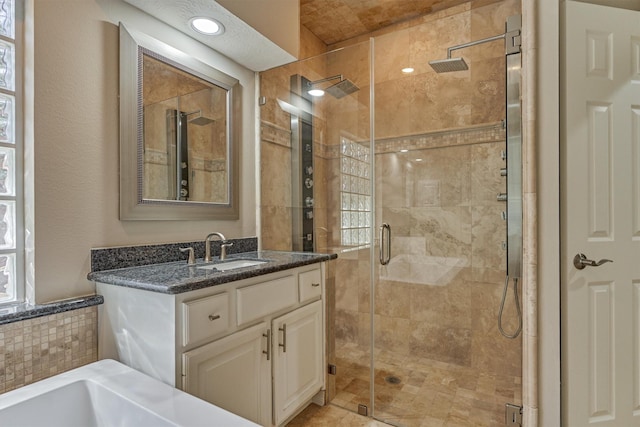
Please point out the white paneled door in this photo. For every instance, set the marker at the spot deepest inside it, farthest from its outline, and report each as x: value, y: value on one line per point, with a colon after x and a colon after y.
x: 601, y: 217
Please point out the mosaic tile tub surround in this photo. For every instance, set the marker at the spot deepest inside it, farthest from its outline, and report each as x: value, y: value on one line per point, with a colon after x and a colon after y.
x: 37, y: 348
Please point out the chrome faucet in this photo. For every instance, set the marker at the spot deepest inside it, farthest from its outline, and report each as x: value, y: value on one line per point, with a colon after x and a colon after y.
x: 223, y: 246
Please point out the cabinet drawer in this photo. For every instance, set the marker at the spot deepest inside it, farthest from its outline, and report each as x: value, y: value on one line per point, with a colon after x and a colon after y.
x: 309, y: 285
x: 262, y: 299
x: 205, y: 318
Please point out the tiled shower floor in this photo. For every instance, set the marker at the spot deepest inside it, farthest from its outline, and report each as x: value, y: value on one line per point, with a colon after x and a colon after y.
x: 430, y: 393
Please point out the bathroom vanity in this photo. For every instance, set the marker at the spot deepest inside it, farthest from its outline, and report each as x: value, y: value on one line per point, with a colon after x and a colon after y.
x: 249, y: 339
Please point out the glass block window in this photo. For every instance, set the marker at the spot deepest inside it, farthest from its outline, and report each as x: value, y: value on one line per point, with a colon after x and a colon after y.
x: 11, y: 211
x: 355, y: 194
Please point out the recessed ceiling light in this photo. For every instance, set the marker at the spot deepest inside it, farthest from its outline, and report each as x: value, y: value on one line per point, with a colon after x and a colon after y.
x: 315, y: 92
x: 418, y: 160
x: 207, y: 26
x: 404, y: 150
x: 407, y: 70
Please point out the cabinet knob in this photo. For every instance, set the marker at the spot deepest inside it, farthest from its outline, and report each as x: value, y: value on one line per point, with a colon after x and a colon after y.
x: 213, y: 317
x: 315, y: 285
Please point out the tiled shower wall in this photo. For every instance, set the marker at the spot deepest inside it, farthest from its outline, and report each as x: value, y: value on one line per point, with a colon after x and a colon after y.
x: 444, y: 207
x: 38, y: 348
x: 405, y: 105
x: 439, y: 297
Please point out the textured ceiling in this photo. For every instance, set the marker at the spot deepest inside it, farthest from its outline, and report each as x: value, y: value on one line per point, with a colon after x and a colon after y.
x: 334, y: 21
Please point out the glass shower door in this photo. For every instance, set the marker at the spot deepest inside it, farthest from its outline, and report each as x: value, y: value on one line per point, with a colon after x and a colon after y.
x: 412, y: 340
x: 438, y: 358
x: 317, y: 182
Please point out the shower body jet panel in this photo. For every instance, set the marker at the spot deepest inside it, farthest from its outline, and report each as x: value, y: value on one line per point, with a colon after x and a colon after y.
x: 182, y: 165
x: 514, y: 159
x: 177, y: 153
x: 513, y: 197
x: 514, y: 173
x: 302, y: 166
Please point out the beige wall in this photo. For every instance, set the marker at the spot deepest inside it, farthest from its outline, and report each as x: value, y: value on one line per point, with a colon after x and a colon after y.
x: 76, y: 142
x: 464, y: 222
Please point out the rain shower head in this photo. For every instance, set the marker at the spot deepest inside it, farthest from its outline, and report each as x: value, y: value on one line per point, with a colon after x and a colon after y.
x: 200, y: 120
x: 448, y: 65
x: 458, y: 64
x: 343, y: 88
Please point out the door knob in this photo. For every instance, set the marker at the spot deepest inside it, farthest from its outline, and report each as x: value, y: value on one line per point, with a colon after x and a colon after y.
x: 580, y: 261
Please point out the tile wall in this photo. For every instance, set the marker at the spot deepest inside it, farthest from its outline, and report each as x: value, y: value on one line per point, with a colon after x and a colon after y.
x: 443, y: 210
x: 38, y: 348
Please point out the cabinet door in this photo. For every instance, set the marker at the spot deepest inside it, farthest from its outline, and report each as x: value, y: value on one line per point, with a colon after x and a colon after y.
x: 233, y: 373
x: 298, y: 359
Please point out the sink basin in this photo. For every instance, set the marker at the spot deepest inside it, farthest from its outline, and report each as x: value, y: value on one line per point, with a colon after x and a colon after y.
x: 232, y: 265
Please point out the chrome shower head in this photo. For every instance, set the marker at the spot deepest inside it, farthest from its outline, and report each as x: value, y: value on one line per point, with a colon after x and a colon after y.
x: 448, y: 65
x: 200, y: 120
x: 342, y: 88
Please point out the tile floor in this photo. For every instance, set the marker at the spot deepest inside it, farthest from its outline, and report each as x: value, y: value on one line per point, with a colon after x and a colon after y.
x: 332, y: 416
x: 429, y: 394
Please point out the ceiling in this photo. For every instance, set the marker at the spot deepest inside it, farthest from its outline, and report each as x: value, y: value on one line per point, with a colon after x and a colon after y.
x: 240, y: 41
x: 333, y: 21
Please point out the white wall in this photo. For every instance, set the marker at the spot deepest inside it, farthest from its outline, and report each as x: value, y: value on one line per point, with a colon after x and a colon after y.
x: 76, y: 142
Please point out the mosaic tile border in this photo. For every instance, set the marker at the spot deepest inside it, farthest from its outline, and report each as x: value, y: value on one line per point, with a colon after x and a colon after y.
x: 38, y: 348
x: 444, y: 138
x: 479, y: 134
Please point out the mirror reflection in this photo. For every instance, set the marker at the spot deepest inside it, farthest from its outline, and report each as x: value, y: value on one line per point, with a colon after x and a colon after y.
x: 185, y: 135
x: 180, y: 127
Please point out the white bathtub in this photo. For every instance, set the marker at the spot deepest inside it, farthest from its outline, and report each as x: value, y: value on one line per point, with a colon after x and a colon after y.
x: 108, y: 393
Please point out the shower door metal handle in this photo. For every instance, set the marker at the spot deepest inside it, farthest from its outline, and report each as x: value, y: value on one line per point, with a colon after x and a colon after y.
x: 385, y: 241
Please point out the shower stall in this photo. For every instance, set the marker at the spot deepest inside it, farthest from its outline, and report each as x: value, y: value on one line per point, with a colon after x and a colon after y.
x: 409, y: 188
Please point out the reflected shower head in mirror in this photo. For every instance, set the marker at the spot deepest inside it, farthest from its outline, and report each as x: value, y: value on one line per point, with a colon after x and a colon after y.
x: 448, y: 65
x: 200, y: 120
x: 343, y: 88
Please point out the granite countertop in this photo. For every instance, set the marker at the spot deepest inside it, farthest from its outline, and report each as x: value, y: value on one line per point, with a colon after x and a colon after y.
x: 178, y: 277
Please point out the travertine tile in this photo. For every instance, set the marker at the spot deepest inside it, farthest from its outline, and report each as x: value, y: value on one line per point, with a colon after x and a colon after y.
x: 38, y: 348
x: 444, y: 207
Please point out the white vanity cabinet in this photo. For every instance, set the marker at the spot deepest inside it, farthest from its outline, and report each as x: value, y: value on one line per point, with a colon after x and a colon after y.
x: 254, y: 347
x: 297, y: 359
x: 233, y: 373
